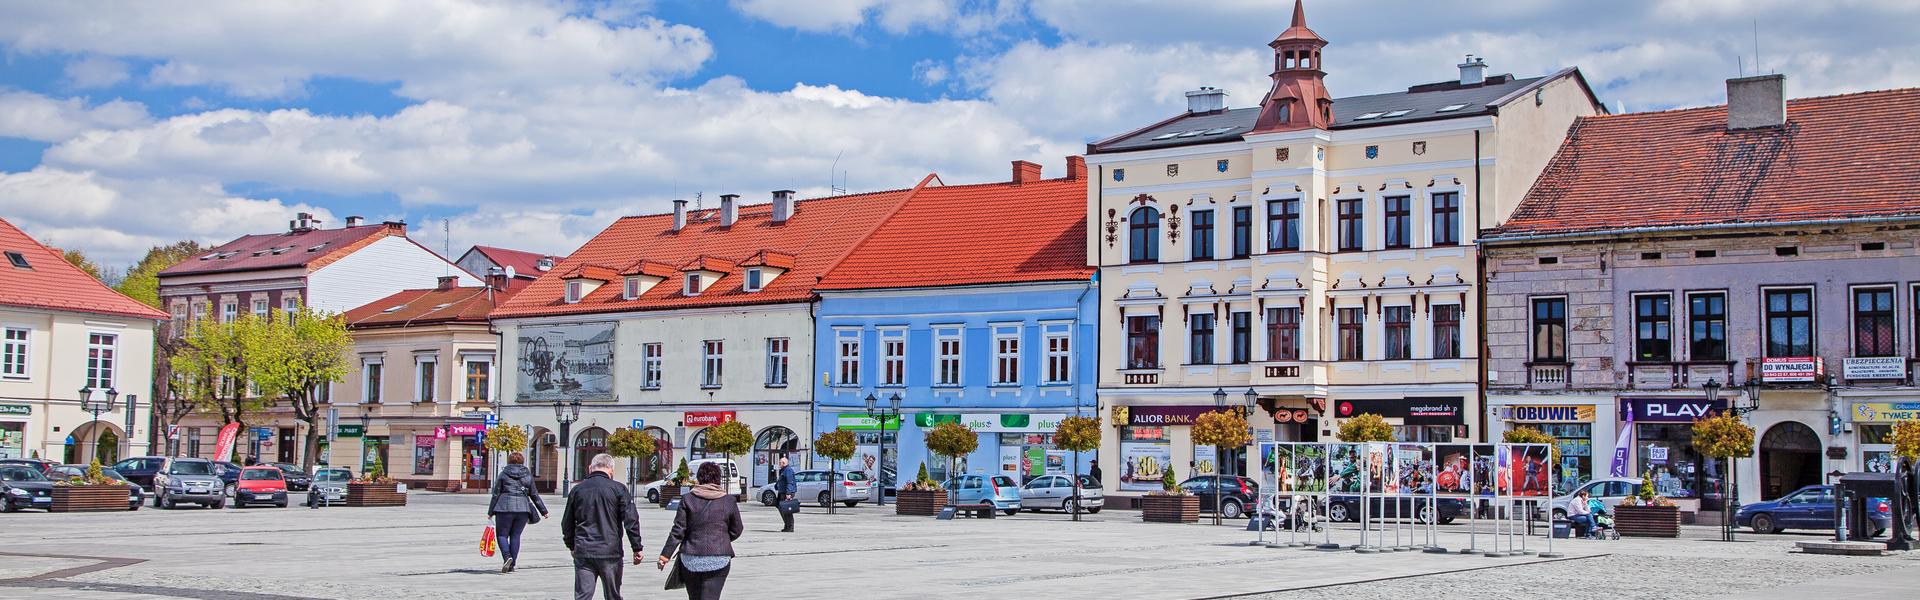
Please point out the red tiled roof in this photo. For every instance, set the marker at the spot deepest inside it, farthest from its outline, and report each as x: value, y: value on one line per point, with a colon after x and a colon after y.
x: 594, y: 272
x: 50, y: 282
x: 431, y: 306
x: 652, y: 268
x: 708, y: 263
x: 311, y: 249
x: 1845, y: 156
x: 524, y: 264
x: 975, y: 234
x: 819, y: 235
x: 769, y: 258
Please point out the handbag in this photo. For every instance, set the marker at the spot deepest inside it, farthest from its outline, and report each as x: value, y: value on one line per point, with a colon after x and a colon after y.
x: 488, y: 545
x: 673, y: 574
x: 790, y: 506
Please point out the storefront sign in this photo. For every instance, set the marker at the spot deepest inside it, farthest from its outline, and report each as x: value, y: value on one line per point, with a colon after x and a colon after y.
x: 1412, y: 411
x: 994, y: 422
x: 1671, y: 409
x: 1163, y: 415
x: 345, y: 430
x: 706, y: 418
x: 1791, y: 370
x: 1878, y: 367
x: 1141, y: 464
x: 423, y: 441
x: 465, y: 429
x: 1547, y: 414
x: 15, y: 409
x: 1886, y: 412
x: 861, y: 422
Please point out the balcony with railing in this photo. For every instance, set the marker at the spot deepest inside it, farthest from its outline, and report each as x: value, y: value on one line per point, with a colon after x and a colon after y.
x: 1549, y: 375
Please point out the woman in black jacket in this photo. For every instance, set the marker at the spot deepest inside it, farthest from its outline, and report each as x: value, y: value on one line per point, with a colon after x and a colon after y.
x: 703, y: 532
x: 516, y: 504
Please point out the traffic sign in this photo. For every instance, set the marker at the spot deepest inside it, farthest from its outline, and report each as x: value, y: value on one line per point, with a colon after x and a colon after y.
x: 493, y: 419
x: 639, y: 423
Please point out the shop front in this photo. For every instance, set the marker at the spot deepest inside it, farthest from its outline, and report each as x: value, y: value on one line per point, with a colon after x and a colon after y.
x: 1016, y: 444
x: 1153, y: 439
x: 13, y: 430
x: 1572, y: 427
x: 1663, y: 448
x: 1439, y: 419
x: 473, y: 466
x: 1873, y: 422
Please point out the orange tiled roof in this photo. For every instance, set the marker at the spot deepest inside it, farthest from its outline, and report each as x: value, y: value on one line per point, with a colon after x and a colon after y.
x: 50, y: 282
x: 431, y: 306
x: 651, y: 268
x: 590, y: 271
x: 525, y: 264
x: 1845, y: 156
x: 975, y: 234
x: 818, y: 235
x: 769, y: 258
x: 708, y: 263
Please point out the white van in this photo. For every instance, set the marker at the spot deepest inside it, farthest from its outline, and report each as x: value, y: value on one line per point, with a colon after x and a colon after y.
x: 729, y: 472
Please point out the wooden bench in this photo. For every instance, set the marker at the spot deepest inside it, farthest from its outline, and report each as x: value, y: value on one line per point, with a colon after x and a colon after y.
x: 977, y: 511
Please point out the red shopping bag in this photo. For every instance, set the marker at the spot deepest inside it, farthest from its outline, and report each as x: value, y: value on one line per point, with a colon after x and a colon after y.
x: 487, y: 543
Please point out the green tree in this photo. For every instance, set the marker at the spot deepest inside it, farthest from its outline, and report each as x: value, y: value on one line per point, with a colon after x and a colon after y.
x: 1365, y: 427
x: 952, y: 441
x: 142, y: 282
x: 633, y: 445
x: 296, y: 356
x: 211, y: 367
x: 79, y: 259
x: 1076, y: 435
x: 837, y: 445
x: 1905, y: 439
x: 506, y: 438
x: 730, y: 438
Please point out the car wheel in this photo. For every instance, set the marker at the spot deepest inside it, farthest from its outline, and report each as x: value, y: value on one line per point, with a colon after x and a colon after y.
x: 167, y: 501
x: 219, y: 504
x: 280, y: 504
x: 766, y: 497
x: 6, y: 506
x: 824, y: 501
x: 1011, y: 511
x: 133, y: 506
x: 1338, y: 512
x: 653, y: 496
x: 1425, y: 515
x: 1230, y: 509
x: 1068, y: 506
x: 1763, y: 523
x: 229, y: 491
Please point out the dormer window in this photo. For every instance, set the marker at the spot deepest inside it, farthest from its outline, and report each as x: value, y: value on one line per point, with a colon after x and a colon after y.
x: 575, y: 290
x: 693, y: 284
x: 633, y: 288
x: 753, y: 280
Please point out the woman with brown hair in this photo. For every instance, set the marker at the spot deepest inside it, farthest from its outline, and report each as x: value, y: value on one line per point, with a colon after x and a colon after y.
x: 703, y: 533
x: 516, y: 504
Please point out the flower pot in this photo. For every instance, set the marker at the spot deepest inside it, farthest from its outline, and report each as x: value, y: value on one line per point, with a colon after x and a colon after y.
x: 89, y: 498
x: 1159, y: 508
x: 669, y: 493
x: 1647, y: 521
x: 375, y: 494
x: 919, y: 503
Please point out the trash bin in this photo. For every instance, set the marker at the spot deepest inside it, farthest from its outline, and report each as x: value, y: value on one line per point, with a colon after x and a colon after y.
x: 1562, y: 529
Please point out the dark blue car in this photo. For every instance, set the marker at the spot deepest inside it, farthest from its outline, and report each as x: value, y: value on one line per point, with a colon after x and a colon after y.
x: 1809, y: 507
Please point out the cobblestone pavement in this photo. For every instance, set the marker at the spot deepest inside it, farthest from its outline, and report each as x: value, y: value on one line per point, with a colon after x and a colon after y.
x: 430, y: 550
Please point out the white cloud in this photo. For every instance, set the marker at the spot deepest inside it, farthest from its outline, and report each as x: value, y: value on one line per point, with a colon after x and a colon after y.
x: 1083, y: 92
x: 893, y: 16
x: 96, y: 72
x: 116, y: 220
x: 35, y: 117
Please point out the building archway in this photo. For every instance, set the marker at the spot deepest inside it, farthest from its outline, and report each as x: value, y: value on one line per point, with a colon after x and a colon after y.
x: 590, y: 441
x: 772, y: 443
x: 1789, y: 459
x: 544, y: 459
x: 697, y: 445
x: 95, y: 439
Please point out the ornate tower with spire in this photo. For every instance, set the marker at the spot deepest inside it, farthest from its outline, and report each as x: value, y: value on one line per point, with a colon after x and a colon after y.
x: 1298, y: 99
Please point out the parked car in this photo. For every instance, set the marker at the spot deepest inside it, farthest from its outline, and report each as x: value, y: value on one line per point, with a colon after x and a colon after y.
x: 135, y: 496
x: 297, y: 479
x: 849, y: 488
x: 1053, y: 492
x: 1347, y: 509
x: 997, y: 490
x: 651, y: 489
x: 1608, y: 490
x: 264, y: 484
x: 140, y: 470
x: 43, y: 466
x: 24, y: 486
x: 1809, y: 507
x: 329, y: 485
x: 229, y: 474
x: 1236, y: 494
x: 188, y: 480
x: 729, y: 472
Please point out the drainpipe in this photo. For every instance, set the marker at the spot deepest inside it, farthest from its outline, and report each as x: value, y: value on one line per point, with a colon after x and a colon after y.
x: 1480, y: 294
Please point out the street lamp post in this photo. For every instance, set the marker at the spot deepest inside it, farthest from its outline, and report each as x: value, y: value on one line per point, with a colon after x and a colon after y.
x: 1731, y: 504
x: 566, y: 413
x: 1712, y: 387
x: 875, y: 411
x: 95, y: 407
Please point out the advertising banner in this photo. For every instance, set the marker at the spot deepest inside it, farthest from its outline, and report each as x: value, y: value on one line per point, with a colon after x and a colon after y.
x: 1344, y: 464
x: 1283, y: 474
x: 1670, y: 409
x: 1058, y: 462
x: 1453, y: 470
x: 223, y: 446
x: 1798, y: 369
x: 1547, y: 414
x: 1379, y: 465
x: 1441, y: 410
x: 1875, y: 367
x: 1141, y: 465
x: 706, y: 418
x: 1886, y: 412
x: 1204, y: 460
x: 1309, y: 468
x: 1010, y: 459
x: 1530, y: 467
x: 465, y: 429
x: 860, y: 422
x: 1161, y: 415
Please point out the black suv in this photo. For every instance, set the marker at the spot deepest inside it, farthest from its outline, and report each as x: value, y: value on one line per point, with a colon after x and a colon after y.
x: 297, y: 480
x: 1235, y: 495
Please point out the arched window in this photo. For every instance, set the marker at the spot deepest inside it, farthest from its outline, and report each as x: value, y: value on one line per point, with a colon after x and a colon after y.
x: 697, y: 447
x: 587, y: 443
x: 1143, y: 241
x: 773, y: 443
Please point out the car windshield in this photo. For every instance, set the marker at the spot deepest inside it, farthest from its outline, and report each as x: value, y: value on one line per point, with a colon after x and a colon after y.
x: 260, y: 474
x: 326, y: 476
x: 20, y: 474
x: 112, y: 474
x: 191, y: 468
x: 1087, y: 481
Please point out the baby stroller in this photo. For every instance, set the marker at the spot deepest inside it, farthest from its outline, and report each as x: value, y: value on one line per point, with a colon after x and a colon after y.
x: 1602, y: 527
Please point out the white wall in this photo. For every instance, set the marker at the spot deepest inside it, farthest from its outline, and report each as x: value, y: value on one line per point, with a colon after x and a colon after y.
x: 376, y: 271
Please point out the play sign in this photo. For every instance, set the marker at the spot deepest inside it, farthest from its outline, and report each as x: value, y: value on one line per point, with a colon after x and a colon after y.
x: 1671, y: 409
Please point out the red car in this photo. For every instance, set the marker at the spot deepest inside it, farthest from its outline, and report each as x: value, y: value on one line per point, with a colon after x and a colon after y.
x: 260, y: 485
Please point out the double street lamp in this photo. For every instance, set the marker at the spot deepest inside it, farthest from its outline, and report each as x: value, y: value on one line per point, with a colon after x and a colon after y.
x: 882, y: 413
x: 1220, y: 401
x: 89, y: 403
x: 566, y: 413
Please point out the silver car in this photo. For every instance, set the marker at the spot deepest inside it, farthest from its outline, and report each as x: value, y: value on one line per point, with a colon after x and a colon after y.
x: 1608, y: 490
x: 329, y: 486
x: 1052, y: 492
x: 849, y: 488
x: 191, y: 480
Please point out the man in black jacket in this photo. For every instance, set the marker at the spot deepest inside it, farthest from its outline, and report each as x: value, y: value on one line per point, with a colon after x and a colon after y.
x: 787, y: 490
x: 598, y: 512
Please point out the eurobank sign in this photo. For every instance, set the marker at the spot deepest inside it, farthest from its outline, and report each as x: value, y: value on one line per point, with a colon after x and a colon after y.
x: 1547, y: 414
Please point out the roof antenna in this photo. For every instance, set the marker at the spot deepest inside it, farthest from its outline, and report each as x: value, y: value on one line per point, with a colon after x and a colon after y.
x: 446, y: 244
x: 836, y: 190
x: 1756, y: 48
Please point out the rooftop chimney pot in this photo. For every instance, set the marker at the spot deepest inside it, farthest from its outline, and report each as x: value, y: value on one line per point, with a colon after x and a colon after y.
x: 1756, y: 102
x: 1025, y: 172
x: 1473, y: 71
x: 679, y: 215
x: 729, y: 209
x: 1076, y: 167
x: 1206, y: 99
x: 782, y: 205
x: 448, y: 282
x: 355, y: 220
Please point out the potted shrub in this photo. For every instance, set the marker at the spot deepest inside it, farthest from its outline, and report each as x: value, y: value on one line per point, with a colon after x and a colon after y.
x: 837, y: 445
x: 1724, y: 437
x: 923, y: 497
x: 1647, y: 514
x: 670, y: 490
x: 92, y: 492
x: 375, y: 488
x: 634, y: 445
x: 731, y: 438
x: 1171, y: 504
x: 1077, y: 434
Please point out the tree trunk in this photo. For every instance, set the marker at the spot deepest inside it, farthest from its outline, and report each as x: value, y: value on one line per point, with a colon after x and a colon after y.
x: 833, y: 470
x: 1075, y: 506
x: 312, y: 445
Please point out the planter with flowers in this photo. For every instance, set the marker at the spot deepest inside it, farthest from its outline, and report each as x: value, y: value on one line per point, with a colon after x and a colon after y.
x: 1171, y: 504
x: 1647, y: 514
x: 375, y: 489
x: 922, y: 497
x: 670, y: 491
x: 92, y: 492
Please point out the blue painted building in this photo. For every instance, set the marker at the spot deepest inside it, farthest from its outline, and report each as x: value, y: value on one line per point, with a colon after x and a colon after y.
x: 972, y: 304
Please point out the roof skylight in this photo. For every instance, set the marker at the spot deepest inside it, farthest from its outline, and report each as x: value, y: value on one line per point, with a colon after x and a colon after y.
x: 1218, y: 130
x: 1398, y: 113
x: 1371, y: 115
x: 1166, y: 136
x: 1451, y: 107
x: 1192, y: 133
x: 18, y: 260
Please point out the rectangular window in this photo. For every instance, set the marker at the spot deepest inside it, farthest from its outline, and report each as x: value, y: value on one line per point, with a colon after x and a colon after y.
x: 1707, y: 326
x: 848, y: 359
x: 423, y: 454
x: 1242, y: 231
x: 1242, y: 337
x: 1283, y: 225
x: 423, y: 392
x: 1059, y: 357
x: 1143, y: 342
x: 101, y: 348
x: 1399, y: 323
x: 1446, y: 330
x: 1399, y: 221
x: 753, y: 280
x: 947, y: 360
x: 1353, y: 333
x: 1789, y: 323
x: 1873, y: 333
x: 479, y: 380
x: 1200, y: 339
x: 1283, y: 333
x: 777, y: 362
x: 575, y: 289
x: 229, y: 311
x: 893, y: 359
x: 1352, y: 224
x: 1006, y: 356
x: 1446, y: 219
x: 1202, y: 238
x: 632, y: 289
x: 1549, y: 329
x: 372, y: 391
x: 290, y: 305
x: 14, y: 342
x: 1653, y: 328
x: 651, y: 356
x: 260, y: 308
x: 693, y: 285
x: 711, y: 354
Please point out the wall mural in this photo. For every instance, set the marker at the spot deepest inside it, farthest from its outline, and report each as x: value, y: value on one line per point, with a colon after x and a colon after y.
x: 566, y: 362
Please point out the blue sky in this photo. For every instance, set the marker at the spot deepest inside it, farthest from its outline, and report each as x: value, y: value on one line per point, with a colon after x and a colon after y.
x: 534, y: 124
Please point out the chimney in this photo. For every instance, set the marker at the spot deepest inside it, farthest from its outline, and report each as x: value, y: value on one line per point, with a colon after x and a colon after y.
x: 354, y: 221
x: 1024, y: 172
x: 302, y: 223
x: 782, y: 205
x: 729, y: 209
x: 1076, y: 167
x: 1206, y: 99
x: 448, y: 282
x: 679, y: 215
x: 1756, y: 102
x: 496, y: 279
x: 1473, y: 71
x: 398, y: 228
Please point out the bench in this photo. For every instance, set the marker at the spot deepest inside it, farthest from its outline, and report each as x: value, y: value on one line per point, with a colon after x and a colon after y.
x: 977, y: 511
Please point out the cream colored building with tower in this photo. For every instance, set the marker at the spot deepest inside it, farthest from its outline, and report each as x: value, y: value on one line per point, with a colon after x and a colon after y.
x: 1317, y: 252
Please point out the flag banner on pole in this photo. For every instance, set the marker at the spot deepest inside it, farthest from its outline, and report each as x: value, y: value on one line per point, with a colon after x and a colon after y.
x: 1620, y: 445
x: 223, y: 447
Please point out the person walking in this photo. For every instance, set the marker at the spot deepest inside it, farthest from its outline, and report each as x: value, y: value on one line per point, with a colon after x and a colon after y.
x: 703, y: 533
x: 786, y: 492
x: 1094, y: 471
x: 515, y: 505
x: 599, y: 511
